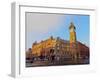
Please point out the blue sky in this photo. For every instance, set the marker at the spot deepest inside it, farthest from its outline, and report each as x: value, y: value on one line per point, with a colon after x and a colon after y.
x: 42, y: 26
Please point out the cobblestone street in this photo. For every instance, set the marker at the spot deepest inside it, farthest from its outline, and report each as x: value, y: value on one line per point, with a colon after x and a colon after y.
x: 57, y: 63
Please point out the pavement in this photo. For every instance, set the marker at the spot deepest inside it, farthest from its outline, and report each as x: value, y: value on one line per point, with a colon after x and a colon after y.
x: 57, y: 63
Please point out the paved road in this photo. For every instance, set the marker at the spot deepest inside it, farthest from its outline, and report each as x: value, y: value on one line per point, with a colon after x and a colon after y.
x: 54, y: 63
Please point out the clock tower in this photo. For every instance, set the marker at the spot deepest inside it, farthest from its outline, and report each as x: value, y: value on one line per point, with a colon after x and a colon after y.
x: 73, y: 42
x: 72, y: 33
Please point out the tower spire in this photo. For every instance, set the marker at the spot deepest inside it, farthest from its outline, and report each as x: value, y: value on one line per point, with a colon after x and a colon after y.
x: 72, y: 33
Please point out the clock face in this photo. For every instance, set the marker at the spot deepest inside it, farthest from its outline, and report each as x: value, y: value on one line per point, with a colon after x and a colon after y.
x: 72, y: 29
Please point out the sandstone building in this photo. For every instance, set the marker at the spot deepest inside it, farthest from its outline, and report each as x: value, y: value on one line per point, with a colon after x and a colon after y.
x: 62, y: 48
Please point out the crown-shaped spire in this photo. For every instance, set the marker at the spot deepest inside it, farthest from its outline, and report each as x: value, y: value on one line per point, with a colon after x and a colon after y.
x: 72, y: 25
